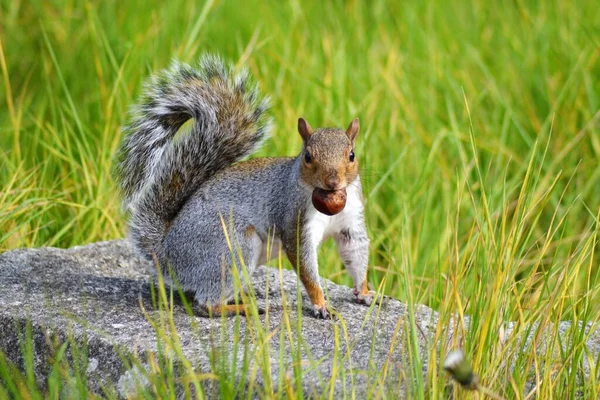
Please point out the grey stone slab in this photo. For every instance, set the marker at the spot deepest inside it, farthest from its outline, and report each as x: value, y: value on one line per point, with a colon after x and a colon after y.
x: 99, y: 297
x: 94, y: 294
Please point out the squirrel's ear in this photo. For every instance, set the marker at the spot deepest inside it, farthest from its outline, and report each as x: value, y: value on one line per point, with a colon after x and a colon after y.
x: 353, y: 128
x: 304, y: 129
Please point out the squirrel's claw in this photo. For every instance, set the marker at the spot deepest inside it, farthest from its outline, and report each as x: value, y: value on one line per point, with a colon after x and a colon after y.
x: 367, y: 298
x: 323, y: 312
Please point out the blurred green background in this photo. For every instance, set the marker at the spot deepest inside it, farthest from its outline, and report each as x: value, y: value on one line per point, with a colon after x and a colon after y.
x: 479, y: 147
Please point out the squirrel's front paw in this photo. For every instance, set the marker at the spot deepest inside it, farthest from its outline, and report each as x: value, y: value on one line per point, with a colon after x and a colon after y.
x: 322, y: 312
x: 365, y: 297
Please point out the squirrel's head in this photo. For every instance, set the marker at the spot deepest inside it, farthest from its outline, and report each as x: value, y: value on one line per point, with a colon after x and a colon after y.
x: 328, y: 160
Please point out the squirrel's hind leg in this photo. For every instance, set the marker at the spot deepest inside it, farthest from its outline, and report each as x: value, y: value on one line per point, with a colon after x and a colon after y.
x: 246, y: 253
x: 231, y: 309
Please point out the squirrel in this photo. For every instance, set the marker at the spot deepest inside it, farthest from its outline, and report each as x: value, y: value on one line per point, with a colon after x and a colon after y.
x: 180, y: 187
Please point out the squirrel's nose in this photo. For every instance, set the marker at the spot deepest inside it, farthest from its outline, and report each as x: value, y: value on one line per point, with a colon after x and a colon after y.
x: 332, y: 182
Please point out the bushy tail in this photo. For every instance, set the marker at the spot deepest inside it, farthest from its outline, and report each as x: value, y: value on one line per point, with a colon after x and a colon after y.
x: 159, y: 169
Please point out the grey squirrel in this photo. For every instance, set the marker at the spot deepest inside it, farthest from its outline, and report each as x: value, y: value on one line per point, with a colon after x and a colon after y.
x: 179, y: 187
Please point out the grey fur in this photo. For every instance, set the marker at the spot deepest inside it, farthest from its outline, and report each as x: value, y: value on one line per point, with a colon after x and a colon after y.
x: 182, y: 191
x: 159, y: 172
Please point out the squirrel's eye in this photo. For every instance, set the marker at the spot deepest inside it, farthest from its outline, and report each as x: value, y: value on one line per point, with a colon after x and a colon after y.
x: 351, y: 156
x: 307, y: 157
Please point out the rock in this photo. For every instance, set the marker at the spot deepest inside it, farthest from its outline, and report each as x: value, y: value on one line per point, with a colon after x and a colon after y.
x: 93, y: 294
x: 99, y: 298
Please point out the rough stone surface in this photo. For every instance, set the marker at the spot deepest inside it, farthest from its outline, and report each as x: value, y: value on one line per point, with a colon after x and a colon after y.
x: 100, y: 296
x: 94, y: 294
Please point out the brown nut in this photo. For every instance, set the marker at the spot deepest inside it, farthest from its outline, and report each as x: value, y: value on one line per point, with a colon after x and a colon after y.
x: 329, y: 202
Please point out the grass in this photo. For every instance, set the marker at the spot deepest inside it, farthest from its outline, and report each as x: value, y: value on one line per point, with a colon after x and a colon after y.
x: 480, y: 145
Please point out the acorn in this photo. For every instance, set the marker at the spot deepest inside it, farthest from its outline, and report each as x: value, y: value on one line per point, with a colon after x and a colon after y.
x: 329, y: 202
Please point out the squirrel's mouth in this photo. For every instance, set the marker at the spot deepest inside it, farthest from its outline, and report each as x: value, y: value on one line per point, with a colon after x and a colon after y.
x: 312, y: 186
x: 328, y: 189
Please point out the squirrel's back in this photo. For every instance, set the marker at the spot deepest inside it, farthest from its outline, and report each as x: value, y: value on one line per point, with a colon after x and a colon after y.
x: 158, y: 167
x: 251, y: 186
